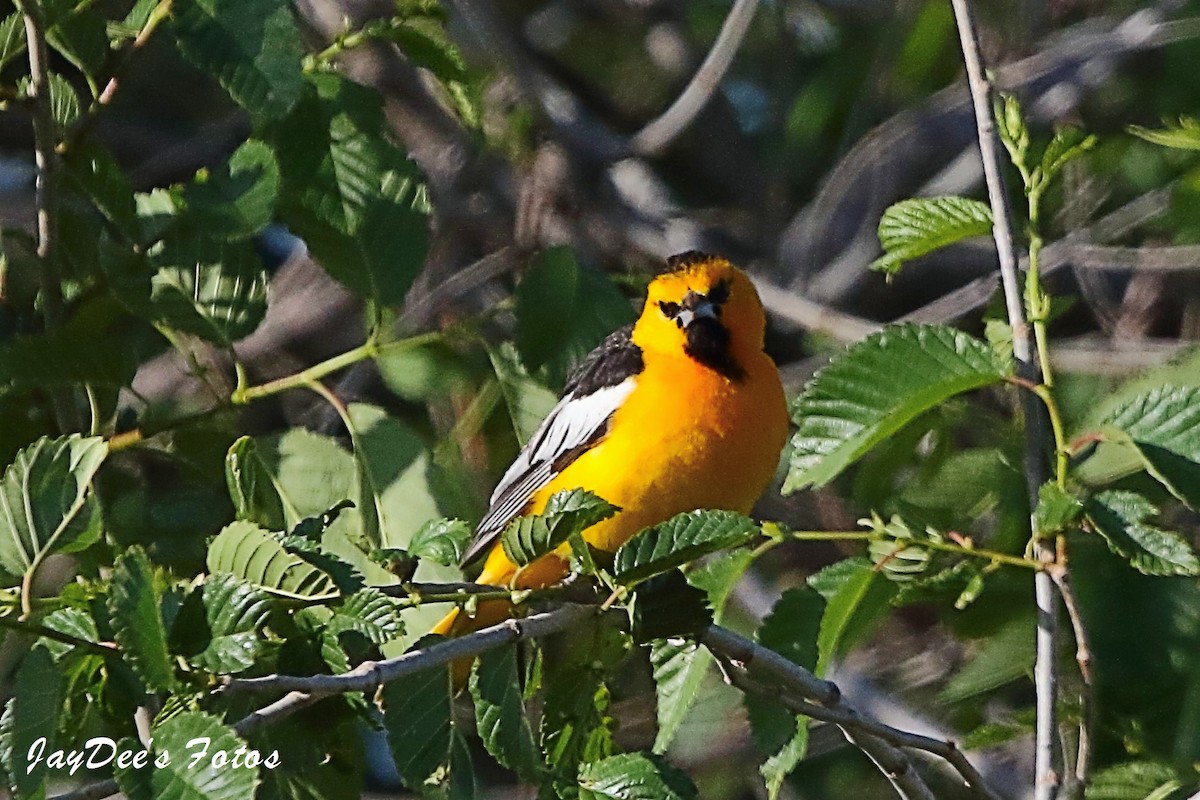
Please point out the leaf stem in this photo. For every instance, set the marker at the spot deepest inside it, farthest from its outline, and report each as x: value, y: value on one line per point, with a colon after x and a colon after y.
x: 942, y: 547
x: 35, y: 629
x: 304, y: 379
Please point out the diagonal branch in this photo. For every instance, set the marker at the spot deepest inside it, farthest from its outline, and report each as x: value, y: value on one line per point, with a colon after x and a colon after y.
x: 662, y: 130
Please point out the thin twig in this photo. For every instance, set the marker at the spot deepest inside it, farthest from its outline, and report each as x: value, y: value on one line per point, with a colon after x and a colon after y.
x: 1046, y: 777
x: 1083, y: 658
x: 662, y: 130
x: 36, y: 629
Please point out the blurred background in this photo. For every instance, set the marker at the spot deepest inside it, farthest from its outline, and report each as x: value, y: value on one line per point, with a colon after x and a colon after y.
x: 556, y: 199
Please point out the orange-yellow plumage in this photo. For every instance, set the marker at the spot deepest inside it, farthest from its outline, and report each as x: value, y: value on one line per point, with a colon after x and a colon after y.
x: 687, y: 436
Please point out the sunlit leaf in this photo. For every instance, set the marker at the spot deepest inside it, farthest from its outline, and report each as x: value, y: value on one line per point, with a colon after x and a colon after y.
x: 912, y: 228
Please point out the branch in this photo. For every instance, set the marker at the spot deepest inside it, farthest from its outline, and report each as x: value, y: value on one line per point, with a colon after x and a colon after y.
x: 1046, y: 778
x: 661, y: 131
x: 763, y: 670
x: 1083, y: 658
x: 370, y: 675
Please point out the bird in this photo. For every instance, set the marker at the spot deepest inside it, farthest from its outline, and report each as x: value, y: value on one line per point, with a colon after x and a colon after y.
x: 680, y: 410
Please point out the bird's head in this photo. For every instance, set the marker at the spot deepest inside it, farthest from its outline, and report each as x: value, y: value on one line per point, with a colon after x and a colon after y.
x: 706, y: 307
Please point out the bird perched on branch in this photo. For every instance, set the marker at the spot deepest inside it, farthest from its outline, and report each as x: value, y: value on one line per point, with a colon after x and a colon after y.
x: 681, y: 410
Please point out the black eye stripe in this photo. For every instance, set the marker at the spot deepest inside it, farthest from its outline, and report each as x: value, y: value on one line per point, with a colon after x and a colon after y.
x: 669, y: 309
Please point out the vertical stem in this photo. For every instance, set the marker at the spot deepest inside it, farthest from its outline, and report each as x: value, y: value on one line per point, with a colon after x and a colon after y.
x: 1045, y: 670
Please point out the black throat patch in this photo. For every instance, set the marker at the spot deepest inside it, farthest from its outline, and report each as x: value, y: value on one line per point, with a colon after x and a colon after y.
x: 708, y: 342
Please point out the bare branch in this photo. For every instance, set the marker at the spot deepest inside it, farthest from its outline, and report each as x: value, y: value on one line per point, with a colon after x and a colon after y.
x: 662, y: 130
x: 1046, y: 777
x: 1083, y: 657
x: 370, y: 675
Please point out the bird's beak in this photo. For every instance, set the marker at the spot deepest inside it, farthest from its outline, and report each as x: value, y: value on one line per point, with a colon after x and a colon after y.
x: 697, y: 306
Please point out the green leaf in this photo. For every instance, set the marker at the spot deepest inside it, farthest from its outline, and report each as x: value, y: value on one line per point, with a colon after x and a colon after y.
x: 45, y: 503
x: 1056, y: 510
x: 564, y: 309
x: 911, y: 228
x: 896, y: 552
x: 355, y: 201
x: 791, y: 629
x: 251, y: 488
x: 417, y: 715
x: 236, y: 200
x: 1133, y: 780
x: 993, y: 734
x: 64, y: 103
x: 79, y: 37
x: 526, y: 401
x: 683, y: 538
x: 1121, y: 518
x: 250, y: 553
x: 679, y: 666
x: 1067, y: 145
x: 856, y: 598
x: 424, y: 42
x: 252, y: 48
x: 875, y: 388
x: 634, y: 776
x: 12, y: 37
x: 31, y: 714
x: 500, y: 713
x: 191, y: 740
x: 235, y: 612
x: 441, y: 540
x: 94, y: 171
x: 135, y: 607
x: 370, y: 613
x: 1185, y: 135
x: 1163, y: 426
x: 392, y: 490
x: 1002, y: 658
x: 575, y: 726
x: 215, y: 290
x: 567, y: 512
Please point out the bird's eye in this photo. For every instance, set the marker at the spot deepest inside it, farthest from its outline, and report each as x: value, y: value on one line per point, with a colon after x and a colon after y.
x: 719, y: 293
x: 669, y: 309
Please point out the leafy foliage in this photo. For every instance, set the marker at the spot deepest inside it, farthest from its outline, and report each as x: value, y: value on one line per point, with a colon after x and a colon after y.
x: 683, y: 538
x: 567, y: 513
x: 912, y: 228
x: 876, y: 388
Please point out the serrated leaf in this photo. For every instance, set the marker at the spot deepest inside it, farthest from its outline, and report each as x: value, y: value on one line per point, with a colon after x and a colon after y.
x: 679, y: 666
x: 1185, y: 135
x: 1134, y: 780
x: 875, y: 388
x: 1122, y: 519
x: 32, y: 713
x: 1056, y: 510
x: 215, y: 290
x: 500, y: 714
x: 567, y: 513
x: 135, y: 607
x: 856, y: 598
x: 235, y: 612
x: 191, y: 739
x: 250, y: 553
x: 368, y: 612
x: 424, y: 42
x: 683, y: 538
x: 896, y: 552
x: 791, y: 629
x: 417, y: 715
x: 912, y: 228
x: 354, y: 200
x: 1066, y: 145
x: 237, y: 199
x: 12, y: 37
x: 255, y: 498
x: 441, y: 540
x: 564, y: 309
x: 1163, y: 426
x: 94, y: 171
x: 252, y: 48
x: 46, y: 505
x: 64, y: 102
x: 634, y: 776
x: 575, y: 726
x: 79, y: 37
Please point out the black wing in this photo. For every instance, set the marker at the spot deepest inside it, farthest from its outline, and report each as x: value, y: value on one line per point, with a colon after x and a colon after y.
x: 593, y: 393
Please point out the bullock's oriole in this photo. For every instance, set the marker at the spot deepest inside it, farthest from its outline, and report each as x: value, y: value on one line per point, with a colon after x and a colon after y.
x: 681, y: 410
